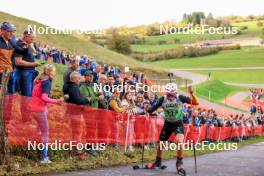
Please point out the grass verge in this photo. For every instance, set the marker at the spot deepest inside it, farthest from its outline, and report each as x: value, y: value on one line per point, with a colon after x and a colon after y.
x: 108, y: 158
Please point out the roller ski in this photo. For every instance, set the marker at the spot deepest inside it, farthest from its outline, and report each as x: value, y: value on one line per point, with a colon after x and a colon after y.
x: 156, y: 165
x: 179, y: 168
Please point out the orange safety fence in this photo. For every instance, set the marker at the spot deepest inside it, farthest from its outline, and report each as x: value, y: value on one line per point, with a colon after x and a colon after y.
x: 26, y: 122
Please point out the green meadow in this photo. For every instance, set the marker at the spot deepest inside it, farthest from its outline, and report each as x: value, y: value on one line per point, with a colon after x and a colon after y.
x: 246, y: 57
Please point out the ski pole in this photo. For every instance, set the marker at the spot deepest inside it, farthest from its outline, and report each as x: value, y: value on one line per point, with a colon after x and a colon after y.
x: 195, y: 164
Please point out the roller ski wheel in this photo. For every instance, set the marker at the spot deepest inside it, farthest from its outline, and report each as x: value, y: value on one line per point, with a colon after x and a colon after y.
x: 155, y: 166
x: 181, y: 172
x: 136, y: 167
x: 180, y: 169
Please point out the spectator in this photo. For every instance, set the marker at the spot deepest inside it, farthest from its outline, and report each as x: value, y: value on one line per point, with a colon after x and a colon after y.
x: 89, y: 90
x: 140, y: 104
x: 6, y: 52
x: 74, y: 65
x: 73, y: 95
x: 115, y: 102
x: 38, y: 106
x: 97, y: 73
x: 71, y: 88
x: 25, y: 64
x: 131, y: 110
x: 110, y: 83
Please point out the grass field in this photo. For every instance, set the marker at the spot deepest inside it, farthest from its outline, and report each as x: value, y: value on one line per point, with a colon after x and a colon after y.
x: 252, y: 31
x: 239, y: 76
x: 246, y: 57
x: 216, y: 90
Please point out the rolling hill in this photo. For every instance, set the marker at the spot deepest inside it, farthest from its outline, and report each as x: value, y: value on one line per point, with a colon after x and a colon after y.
x: 79, y: 46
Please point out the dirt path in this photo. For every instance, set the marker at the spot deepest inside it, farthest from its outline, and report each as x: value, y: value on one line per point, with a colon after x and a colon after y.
x: 194, y: 77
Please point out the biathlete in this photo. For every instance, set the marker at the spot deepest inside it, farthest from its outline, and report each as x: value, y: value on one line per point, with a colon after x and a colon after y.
x: 172, y: 105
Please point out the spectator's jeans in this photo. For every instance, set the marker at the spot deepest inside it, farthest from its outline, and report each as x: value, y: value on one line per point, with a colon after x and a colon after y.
x: 58, y: 60
x: 11, y: 83
x: 46, y: 57
x: 24, y: 84
x: 25, y: 79
x: 43, y: 125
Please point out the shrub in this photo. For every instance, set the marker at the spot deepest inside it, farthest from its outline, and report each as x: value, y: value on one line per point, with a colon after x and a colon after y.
x: 229, y: 47
x: 119, y: 43
x: 243, y: 28
x: 259, y: 24
x: 162, y: 42
x: 176, y: 40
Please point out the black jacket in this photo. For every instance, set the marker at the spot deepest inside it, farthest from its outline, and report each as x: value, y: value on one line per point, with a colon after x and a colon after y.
x: 74, y: 93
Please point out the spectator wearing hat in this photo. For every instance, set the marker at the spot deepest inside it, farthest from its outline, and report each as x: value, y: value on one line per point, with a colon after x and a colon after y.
x: 92, y: 65
x: 83, y: 67
x: 25, y: 64
x: 89, y: 90
x: 7, y: 48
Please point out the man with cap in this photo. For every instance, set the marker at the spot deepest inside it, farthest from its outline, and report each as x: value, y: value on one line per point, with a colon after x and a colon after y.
x: 172, y: 105
x: 25, y: 64
x: 7, y: 49
x: 89, y: 90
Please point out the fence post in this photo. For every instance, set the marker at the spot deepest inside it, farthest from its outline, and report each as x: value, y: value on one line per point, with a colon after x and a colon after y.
x: 4, y: 150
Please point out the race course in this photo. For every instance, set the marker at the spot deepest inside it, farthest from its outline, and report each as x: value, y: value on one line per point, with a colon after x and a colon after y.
x: 228, y: 163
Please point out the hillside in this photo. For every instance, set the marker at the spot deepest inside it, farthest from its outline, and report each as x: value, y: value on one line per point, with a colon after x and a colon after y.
x: 79, y: 46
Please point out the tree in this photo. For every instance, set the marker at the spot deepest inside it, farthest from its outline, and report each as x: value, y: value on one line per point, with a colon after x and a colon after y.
x: 195, y: 18
x: 259, y: 24
x: 119, y: 43
x: 210, y: 16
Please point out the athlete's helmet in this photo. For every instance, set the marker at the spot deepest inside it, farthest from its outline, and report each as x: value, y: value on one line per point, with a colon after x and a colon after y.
x: 171, y: 89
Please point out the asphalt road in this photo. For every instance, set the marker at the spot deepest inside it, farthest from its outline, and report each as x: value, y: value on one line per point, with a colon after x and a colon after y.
x: 246, y: 161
